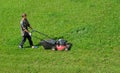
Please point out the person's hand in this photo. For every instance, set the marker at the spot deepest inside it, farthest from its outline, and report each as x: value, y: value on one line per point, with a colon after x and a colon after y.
x: 30, y: 34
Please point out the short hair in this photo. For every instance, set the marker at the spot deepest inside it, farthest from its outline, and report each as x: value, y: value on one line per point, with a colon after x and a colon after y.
x: 24, y: 14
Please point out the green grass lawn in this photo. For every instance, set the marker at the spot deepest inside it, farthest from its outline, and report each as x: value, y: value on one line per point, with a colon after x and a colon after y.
x: 92, y: 26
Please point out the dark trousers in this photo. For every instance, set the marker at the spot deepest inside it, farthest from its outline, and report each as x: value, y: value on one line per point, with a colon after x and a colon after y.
x: 24, y: 39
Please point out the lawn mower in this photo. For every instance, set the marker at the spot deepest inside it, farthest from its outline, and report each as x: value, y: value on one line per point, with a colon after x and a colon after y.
x: 53, y: 44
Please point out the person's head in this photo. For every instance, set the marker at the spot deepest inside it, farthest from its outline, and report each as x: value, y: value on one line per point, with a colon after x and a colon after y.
x: 24, y: 15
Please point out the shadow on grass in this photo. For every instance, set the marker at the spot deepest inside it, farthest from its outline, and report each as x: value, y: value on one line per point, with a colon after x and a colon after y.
x: 35, y: 46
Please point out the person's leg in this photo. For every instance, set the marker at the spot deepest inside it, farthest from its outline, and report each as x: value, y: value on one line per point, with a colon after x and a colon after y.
x: 30, y: 40
x: 23, y: 41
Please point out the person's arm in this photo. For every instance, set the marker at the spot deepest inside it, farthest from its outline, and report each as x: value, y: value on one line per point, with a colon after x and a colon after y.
x: 26, y: 30
x: 29, y: 24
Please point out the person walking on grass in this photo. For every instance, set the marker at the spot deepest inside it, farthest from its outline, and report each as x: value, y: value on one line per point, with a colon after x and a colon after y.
x: 25, y: 32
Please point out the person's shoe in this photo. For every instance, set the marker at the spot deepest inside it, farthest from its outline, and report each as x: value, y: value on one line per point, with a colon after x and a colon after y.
x: 34, y: 46
x: 20, y: 46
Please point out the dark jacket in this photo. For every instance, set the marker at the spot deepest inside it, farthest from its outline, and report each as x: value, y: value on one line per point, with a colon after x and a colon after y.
x: 24, y: 25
